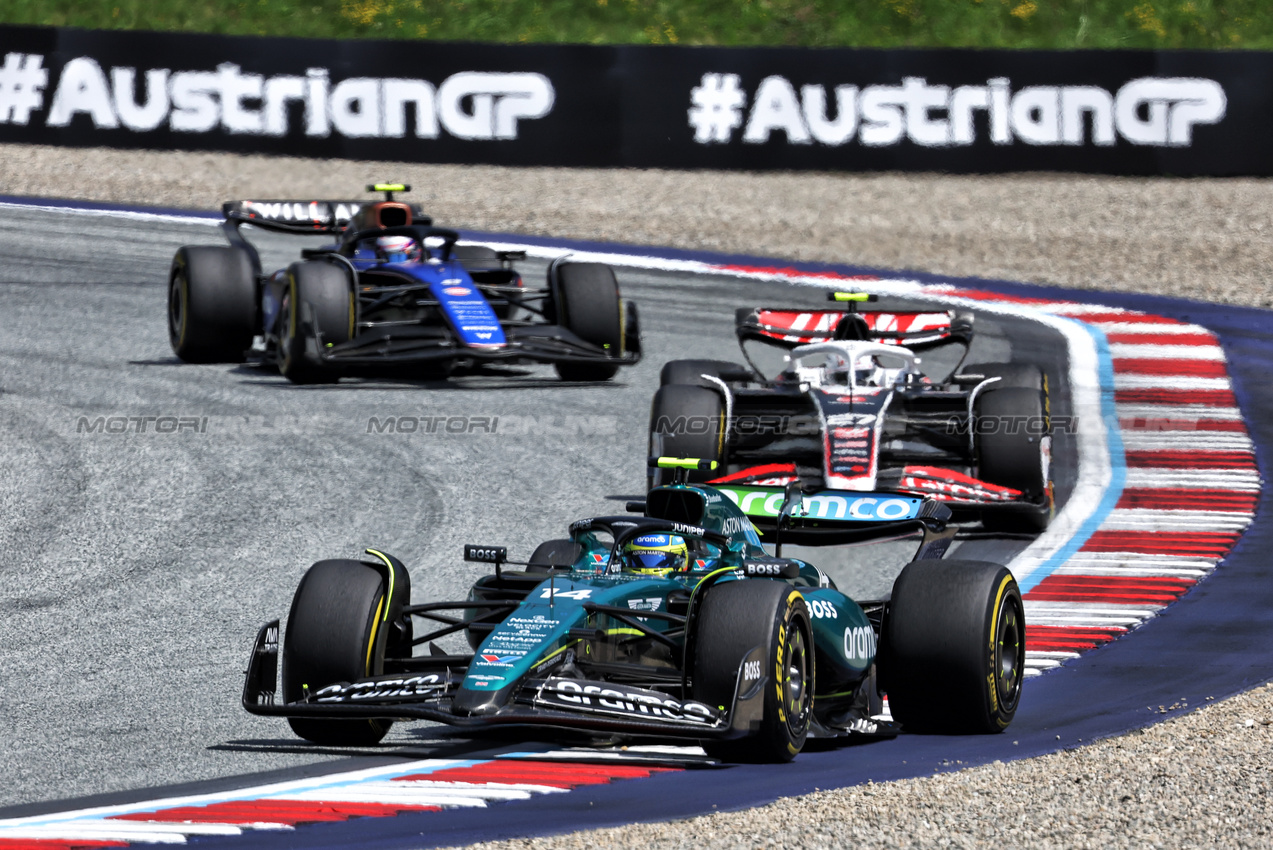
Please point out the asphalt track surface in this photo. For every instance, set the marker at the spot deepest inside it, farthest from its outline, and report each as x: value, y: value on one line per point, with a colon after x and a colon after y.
x: 138, y: 566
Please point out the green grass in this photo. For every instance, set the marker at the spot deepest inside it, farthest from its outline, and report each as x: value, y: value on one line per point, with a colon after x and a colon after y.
x: 806, y: 23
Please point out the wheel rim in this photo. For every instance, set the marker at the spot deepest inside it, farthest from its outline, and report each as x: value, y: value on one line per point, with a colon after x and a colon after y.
x: 1009, y: 654
x: 177, y: 310
x: 795, y: 690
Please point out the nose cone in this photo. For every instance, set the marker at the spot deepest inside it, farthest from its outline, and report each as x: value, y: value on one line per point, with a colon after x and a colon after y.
x: 470, y: 702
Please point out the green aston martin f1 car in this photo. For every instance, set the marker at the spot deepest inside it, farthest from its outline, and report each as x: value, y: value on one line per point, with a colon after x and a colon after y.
x: 671, y: 622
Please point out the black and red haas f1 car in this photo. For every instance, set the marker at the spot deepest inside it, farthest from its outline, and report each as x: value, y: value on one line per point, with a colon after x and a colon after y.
x: 390, y: 293
x: 853, y: 411
x: 670, y: 622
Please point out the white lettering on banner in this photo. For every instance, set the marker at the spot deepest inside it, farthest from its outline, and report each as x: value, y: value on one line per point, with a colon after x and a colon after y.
x: 150, y: 112
x: 1155, y: 111
x: 498, y: 102
x: 22, y: 81
x: 83, y: 88
x: 467, y: 105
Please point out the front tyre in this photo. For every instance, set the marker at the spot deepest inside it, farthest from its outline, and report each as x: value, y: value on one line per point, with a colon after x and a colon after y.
x: 587, y: 299
x: 318, y: 314
x: 697, y: 372
x: 211, y: 304
x: 687, y: 421
x: 735, y: 618
x: 953, y: 647
x: 336, y: 632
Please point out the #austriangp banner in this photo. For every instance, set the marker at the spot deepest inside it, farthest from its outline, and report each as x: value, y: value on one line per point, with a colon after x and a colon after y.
x: 1114, y: 112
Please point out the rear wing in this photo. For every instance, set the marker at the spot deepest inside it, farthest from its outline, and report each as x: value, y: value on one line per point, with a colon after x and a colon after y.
x: 790, y: 328
x: 307, y: 217
x: 838, y: 517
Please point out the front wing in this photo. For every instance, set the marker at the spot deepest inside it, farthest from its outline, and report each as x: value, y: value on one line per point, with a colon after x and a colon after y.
x: 423, y: 344
x: 585, y: 705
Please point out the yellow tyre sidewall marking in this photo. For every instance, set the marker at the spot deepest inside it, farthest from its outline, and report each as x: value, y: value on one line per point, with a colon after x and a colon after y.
x: 992, y: 679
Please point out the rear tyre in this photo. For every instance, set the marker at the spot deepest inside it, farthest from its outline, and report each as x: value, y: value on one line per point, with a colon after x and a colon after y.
x: 953, y: 647
x: 319, y: 312
x: 334, y: 634
x: 687, y: 421
x: 1014, y: 449
x: 692, y: 372
x: 735, y: 618
x: 480, y: 258
x: 588, y: 306
x: 211, y: 304
x: 1025, y: 375
x: 554, y: 555
x: 475, y: 256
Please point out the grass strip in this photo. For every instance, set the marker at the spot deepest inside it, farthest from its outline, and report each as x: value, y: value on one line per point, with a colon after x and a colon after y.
x: 1039, y: 24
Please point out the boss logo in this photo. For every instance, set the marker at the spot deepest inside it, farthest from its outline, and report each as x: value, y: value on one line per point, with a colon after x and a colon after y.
x: 485, y: 554
x: 767, y: 569
x: 822, y: 610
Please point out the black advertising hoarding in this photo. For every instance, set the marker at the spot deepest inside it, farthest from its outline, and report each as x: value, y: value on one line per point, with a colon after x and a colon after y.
x: 970, y: 111
x: 381, y: 100
x: 1126, y: 112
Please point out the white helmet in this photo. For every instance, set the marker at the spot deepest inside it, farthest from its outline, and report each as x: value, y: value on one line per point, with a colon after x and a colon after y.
x: 397, y: 249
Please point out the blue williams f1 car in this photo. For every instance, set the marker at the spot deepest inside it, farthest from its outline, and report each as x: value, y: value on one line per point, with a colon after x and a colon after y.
x: 392, y: 293
x: 672, y: 622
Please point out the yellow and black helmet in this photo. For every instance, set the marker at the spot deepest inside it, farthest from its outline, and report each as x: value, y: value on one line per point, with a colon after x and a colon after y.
x: 656, y: 554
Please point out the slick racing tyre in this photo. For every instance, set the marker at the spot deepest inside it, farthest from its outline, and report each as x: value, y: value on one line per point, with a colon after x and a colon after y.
x: 692, y: 372
x: 687, y: 421
x: 1025, y: 375
x: 475, y: 256
x: 337, y: 631
x: 480, y: 258
x: 554, y: 556
x: 318, y: 313
x: 1014, y: 449
x: 588, y: 306
x: 211, y: 304
x: 952, y: 651
x: 735, y: 618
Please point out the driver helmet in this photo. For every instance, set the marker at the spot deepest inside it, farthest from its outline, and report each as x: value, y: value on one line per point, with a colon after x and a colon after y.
x: 655, y: 554
x: 869, y: 372
x: 397, y: 249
